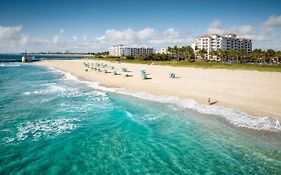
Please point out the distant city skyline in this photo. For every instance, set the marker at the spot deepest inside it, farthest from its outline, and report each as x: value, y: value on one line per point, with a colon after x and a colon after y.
x: 93, y: 26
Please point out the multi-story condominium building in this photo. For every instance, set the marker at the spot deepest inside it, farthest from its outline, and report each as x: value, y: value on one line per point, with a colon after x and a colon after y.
x: 117, y: 50
x: 227, y: 42
x: 120, y: 50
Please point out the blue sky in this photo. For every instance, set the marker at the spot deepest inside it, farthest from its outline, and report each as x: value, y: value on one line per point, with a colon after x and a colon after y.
x: 89, y: 26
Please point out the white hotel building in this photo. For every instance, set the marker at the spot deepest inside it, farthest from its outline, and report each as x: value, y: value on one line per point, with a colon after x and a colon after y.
x: 120, y: 50
x: 227, y: 42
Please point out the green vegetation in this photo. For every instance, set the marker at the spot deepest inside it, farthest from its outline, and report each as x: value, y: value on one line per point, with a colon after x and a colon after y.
x: 220, y: 59
x: 241, y: 56
x: 204, y: 65
x: 99, y: 54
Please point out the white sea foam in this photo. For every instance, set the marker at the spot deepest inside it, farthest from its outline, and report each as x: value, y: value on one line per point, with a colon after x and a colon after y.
x: 61, y: 90
x: 129, y: 114
x: 237, y: 118
x: 10, y: 64
x: 45, y: 128
x: 8, y: 139
x: 150, y: 117
x: 46, y: 84
x: 52, y: 88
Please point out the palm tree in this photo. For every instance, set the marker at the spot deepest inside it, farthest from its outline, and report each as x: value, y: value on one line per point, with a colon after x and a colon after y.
x: 258, y: 55
x: 214, y: 53
x: 278, y: 56
x: 171, y: 52
x: 176, y: 52
x: 188, y: 53
x: 191, y: 53
x: 202, y: 53
x: 223, y: 54
x: 196, y: 52
x: 236, y: 54
x: 270, y: 55
x: 243, y: 55
x: 232, y: 55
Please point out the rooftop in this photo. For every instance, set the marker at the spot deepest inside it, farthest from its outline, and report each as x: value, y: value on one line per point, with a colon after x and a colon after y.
x: 229, y: 35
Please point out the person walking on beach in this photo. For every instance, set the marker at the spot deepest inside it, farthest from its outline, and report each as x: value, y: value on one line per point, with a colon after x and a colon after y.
x: 209, y: 101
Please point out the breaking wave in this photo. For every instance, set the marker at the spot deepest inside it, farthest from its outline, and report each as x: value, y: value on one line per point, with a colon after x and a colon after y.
x: 45, y: 128
x: 10, y: 64
x: 52, y: 88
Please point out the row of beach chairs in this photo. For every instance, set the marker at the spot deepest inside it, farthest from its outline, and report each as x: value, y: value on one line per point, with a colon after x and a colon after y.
x: 101, y: 67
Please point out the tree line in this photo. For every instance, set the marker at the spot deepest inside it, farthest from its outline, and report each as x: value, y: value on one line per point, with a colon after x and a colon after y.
x: 186, y: 53
x: 242, y: 56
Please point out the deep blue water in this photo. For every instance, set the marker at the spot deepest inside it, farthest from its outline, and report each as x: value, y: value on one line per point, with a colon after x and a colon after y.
x: 37, y: 57
x: 52, y: 124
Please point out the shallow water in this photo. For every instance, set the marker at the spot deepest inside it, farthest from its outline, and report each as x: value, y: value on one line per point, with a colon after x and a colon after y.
x: 53, y: 124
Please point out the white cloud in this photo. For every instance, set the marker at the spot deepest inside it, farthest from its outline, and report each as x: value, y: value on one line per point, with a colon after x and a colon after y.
x: 215, y: 28
x: 56, y: 39
x: 85, y: 37
x: 272, y: 22
x: 24, y: 40
x: 116, y: 35
x: 262, y: 36
x: 146, y: 33
x: 244, y: 31
x: 100, y: 38
x: 13, y: 39
x: 144, y: 37
x: 74, y: 38
x: 255, y: 37
x: 171, y: 32
x: 10, y: 33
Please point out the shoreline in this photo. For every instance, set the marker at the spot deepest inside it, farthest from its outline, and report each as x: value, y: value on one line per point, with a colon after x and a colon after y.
x: 161, y: 85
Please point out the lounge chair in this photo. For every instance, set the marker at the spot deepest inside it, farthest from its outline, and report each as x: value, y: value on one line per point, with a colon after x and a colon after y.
x: 172, y: 75
x: 144, y: 76
x: 124, y: 69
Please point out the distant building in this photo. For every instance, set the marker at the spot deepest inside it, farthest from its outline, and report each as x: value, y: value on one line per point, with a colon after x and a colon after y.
x: 117, y: 50
x: 120, y: 50
x: 216, y: 42
x: 164, y: 51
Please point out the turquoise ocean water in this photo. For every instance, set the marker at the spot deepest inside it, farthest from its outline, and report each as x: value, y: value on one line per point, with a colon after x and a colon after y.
x: 51, y: 123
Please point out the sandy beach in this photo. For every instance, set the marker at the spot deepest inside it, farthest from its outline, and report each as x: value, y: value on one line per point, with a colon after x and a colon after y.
x: 253, y: 92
